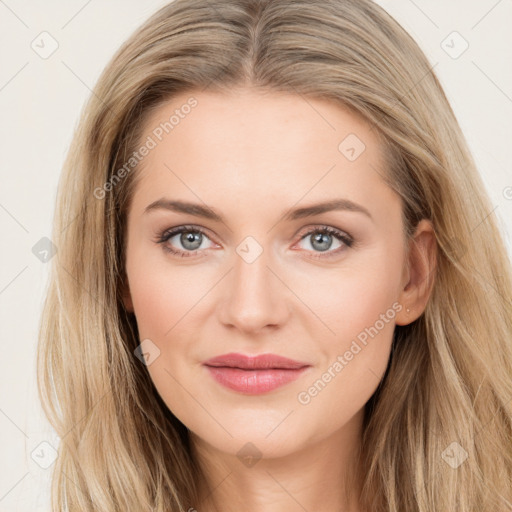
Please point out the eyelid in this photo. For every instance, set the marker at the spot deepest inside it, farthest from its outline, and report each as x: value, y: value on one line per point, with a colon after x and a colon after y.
x: 314, y: 228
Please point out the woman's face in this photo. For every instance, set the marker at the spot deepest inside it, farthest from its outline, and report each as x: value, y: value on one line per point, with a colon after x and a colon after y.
x: 254, y: 272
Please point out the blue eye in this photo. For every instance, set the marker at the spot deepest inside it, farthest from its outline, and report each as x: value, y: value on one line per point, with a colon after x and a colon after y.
x: 323, y: 239
x: 191, y: 239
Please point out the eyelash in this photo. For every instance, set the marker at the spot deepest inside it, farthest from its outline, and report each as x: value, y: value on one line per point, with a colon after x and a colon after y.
x: 165, y: 235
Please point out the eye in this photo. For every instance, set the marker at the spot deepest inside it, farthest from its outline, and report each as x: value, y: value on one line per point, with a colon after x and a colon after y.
x: 192, y: 240
x: 323, y: 238
x: 189, y: 237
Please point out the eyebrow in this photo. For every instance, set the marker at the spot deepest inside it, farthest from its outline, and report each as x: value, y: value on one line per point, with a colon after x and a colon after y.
x: 199, y: 210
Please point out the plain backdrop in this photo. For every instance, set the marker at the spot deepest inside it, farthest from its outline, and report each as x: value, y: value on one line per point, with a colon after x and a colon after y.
x: 41, y: 97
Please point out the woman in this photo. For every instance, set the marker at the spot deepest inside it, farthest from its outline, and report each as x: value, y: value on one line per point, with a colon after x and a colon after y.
x: 277, y: 281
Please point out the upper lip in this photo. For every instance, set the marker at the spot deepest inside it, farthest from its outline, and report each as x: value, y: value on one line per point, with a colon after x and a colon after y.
x: 262, y: 361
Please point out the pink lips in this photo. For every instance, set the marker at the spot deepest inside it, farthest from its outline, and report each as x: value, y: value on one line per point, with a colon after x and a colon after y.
x: 254, y: 374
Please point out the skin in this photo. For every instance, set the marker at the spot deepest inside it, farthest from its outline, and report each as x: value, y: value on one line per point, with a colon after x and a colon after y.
x: 251, y: 157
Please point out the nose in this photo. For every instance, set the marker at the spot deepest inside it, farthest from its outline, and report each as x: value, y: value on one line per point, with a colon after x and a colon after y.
x: 255, y: 296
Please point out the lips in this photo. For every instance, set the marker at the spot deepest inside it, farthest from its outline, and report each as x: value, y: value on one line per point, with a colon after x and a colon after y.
x: 259, y: 362
x: 253, y: 375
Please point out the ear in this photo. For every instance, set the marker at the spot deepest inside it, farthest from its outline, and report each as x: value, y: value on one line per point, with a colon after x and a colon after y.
x: 126, y: 295
x: 419, y: 273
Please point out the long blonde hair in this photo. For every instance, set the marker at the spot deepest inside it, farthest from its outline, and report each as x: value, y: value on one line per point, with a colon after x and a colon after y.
x: 438, y: 430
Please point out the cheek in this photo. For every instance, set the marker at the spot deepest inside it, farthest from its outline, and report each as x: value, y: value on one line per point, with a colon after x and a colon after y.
x: 355, y: 358
x: 353, y: 298
x: 164, y: 299
x: 359, y: 305
x: 162, y: 294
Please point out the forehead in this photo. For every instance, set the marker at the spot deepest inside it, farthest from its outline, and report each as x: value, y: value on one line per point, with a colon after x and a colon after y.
x: 253, y: 146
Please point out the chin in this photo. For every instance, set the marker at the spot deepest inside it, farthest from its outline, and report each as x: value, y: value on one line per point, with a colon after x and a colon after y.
x: 253, y: 443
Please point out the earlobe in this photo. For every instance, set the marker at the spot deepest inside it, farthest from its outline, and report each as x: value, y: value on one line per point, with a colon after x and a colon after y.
x: 421, y: 265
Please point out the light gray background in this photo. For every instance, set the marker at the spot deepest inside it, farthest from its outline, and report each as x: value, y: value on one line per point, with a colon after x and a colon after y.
x: 40, y: 100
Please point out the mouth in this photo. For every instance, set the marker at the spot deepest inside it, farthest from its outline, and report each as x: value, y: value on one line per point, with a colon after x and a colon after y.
x: 258, y: 362
x: 254, y: 374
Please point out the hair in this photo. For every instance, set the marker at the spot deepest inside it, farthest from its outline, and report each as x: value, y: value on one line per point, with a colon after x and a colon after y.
x: 449, y: 376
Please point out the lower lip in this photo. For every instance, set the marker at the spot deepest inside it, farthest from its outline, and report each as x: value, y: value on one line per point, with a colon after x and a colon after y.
x: 254, y: 382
